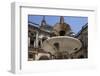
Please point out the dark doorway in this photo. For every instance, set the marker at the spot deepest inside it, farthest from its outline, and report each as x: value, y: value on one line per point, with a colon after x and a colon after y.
x: 30, y: 55
x: 81, y: 56
x: 39, y: 43
x: 56, y: 45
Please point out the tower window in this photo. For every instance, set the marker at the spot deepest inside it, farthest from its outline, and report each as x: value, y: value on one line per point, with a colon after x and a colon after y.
x: 62, y: 33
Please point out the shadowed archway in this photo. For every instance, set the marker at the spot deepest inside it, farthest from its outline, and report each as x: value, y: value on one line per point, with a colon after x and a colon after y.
x: 44, y: 58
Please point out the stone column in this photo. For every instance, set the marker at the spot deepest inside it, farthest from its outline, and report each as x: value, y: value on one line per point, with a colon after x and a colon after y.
x: 34, y: 43
x: 41, y: 41
x: 28, y: 41
x: 37, y: 36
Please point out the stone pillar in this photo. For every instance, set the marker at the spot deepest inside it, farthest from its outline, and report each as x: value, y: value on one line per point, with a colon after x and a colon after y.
x: 37, y: 40
x: 28, y: 41
x: 34, y: 43
x: 41, y: 41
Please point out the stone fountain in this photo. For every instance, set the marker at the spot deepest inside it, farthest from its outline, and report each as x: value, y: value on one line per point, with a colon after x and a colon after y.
x: 61, y: 44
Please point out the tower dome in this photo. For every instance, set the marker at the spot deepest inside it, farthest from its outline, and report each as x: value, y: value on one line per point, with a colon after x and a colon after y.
x: 61, y: 28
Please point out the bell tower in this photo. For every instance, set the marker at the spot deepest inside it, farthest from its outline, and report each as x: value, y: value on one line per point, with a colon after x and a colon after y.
x: 43, y: 22
x: 61, y: 19
x: 61, y: 28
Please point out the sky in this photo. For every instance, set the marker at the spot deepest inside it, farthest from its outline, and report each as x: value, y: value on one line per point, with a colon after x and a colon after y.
x: 75, y: 22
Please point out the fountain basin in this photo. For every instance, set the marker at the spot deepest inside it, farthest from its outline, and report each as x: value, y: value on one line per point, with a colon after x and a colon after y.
x: 61, y: 44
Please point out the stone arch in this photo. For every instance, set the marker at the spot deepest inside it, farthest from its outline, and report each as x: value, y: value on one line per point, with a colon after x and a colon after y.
x: 44, y: 38
x: 44, y: 57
